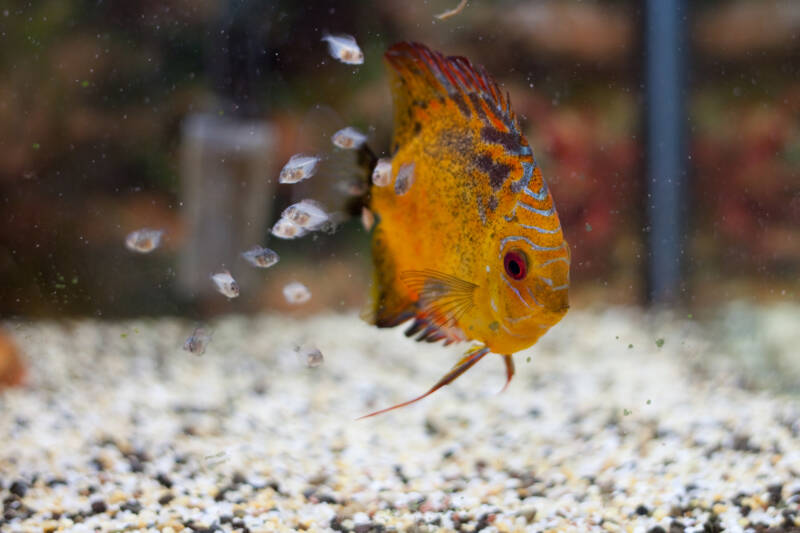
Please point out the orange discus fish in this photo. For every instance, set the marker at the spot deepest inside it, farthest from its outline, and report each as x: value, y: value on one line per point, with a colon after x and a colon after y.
x: 468, y: 242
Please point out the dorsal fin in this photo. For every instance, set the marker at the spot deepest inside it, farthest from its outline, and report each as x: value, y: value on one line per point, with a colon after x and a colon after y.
x: 422, y: 75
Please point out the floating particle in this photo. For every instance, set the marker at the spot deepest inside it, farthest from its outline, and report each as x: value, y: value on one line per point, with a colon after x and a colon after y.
x: 310, y: 355
x: 261, y: 257
x: 626, y: 412
x: 588, y: 227
x: 455, y: 11
x: 226, y: 284
x: 382, y: 175
x: 286, y: 229
x: 348, y: 138
x: 296, y: 293
x: 144, y: 240
x: 405, y: 179
x: 344, y: 48
x: 367, y: 218
x: 300, y: 167
x: 630, y: 346
x: 649, y: 402
x: 197, y: 341
x: 659, y: 342
x: 306, y: 214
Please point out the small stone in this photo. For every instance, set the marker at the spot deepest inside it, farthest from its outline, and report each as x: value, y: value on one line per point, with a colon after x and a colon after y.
x: 99, y: 506
x: 18, y: 488
x: 131, y: 505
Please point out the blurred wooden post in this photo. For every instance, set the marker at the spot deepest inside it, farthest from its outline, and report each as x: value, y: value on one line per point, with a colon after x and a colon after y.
x: 665, y: 116
x: 227, y: 198
x: 226, y: 160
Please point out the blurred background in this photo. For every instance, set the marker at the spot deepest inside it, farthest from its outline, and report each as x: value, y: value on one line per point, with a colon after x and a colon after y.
x: 179, y: 114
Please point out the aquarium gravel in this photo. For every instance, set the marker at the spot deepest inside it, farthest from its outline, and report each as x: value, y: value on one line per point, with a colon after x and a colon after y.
x: 620, y: 421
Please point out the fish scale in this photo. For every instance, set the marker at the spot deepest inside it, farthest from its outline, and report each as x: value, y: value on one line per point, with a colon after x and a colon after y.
x: 468, y: 242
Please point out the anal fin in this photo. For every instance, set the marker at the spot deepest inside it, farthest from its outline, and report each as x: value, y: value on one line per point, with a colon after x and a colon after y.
x: 466, y: 362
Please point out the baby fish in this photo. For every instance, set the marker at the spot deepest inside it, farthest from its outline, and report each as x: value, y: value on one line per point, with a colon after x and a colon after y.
x: 344, y: 48
x: 367, y: 218
x: 382, y: 175
x: 197, y: 341
x: 306, y: 214
x: 286, y: 229
x: 261, y: 257
x: 144, y: 240
x: 310, y: 355
x: 296, y: 293
x: 225, y: 283
x: 353, y: 187
x: 405, y: 178
x: 348, y: 138
x: 300, y: 167
x: 467, y: 243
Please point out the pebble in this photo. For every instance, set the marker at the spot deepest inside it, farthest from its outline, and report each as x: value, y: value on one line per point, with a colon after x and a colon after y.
x: 18, y: 488
x: 552, y: 453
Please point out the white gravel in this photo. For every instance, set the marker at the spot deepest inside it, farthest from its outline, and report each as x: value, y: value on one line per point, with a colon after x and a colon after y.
x: 119, y: 429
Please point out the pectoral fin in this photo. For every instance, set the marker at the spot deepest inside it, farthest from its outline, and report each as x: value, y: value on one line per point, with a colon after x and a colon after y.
x: 441, y: 298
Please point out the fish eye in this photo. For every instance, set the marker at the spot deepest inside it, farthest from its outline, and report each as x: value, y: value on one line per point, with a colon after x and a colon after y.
x: 516, y: 264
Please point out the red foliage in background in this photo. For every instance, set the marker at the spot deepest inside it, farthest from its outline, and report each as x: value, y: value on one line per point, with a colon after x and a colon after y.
x: 747, y: 178
x: 592, y: 171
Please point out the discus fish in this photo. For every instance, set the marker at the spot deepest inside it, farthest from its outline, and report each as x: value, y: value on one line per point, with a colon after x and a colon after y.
x: 197, y: 341
x: 299, y: 167
x: 225, y: 284
x: 468, y: 243
x: 382, y: 174
x: 344, y: 48
x: 286, y: 229
x: 296, y: 293
x: 144, y: 240
x: 307, y: 214
x: 261, y: 257
x: 348, y: 138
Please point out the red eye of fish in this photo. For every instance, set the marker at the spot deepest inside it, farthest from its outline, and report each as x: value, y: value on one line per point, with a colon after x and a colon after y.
x: 516, y: 264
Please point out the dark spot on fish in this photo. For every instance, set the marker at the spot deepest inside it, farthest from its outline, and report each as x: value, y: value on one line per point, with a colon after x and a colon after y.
x: 497, y: 172
x: 417, y: 127
x: 492, y: 203
x: 494, y: 326
x: 509, y: 141
x: 478, y: 106
x: 481, y: 210
x: 462, y: 105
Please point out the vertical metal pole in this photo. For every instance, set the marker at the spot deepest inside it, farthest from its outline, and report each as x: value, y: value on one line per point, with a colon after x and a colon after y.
x: 665, y: 112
